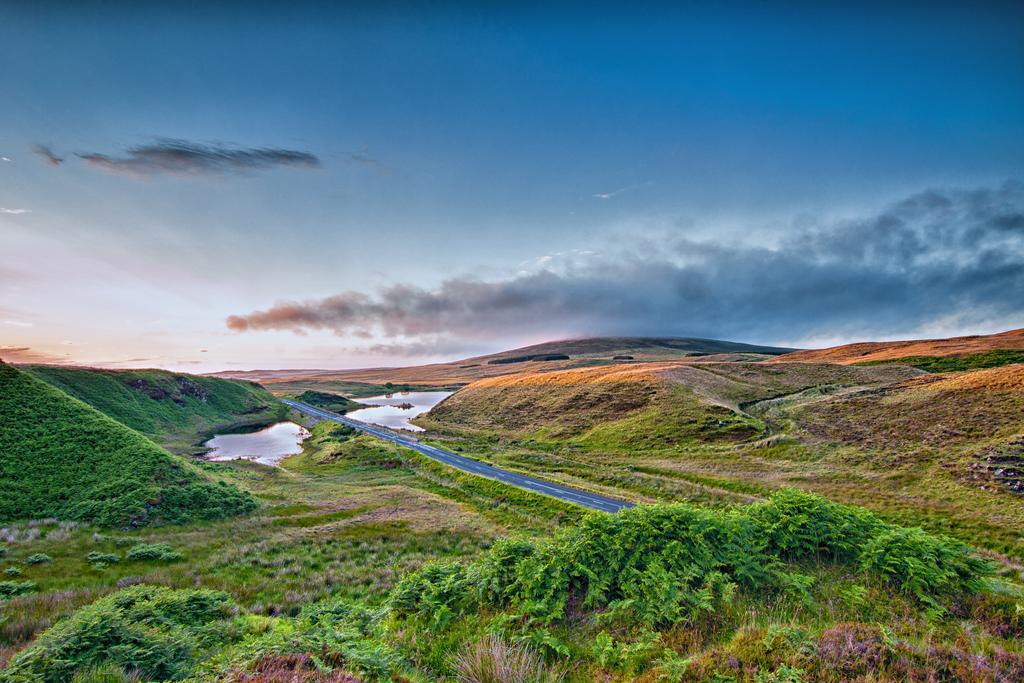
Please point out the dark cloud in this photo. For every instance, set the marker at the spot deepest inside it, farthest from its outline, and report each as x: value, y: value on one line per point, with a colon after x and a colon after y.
x: 46, y: 153
x: 181, y: 157
x: 936, y: 256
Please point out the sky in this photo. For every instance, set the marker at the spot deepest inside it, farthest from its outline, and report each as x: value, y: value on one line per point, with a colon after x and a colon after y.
x: 232, y: 185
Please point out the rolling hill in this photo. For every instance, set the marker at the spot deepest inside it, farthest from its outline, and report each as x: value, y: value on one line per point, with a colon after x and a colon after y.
x: 1012, y: 340
x: 630, y: 404
x: 548, y: 356
x: 175, y: 410
x: 59, y: 457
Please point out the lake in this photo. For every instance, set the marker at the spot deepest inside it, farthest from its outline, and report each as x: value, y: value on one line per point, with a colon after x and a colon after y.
x: 395, y: 410
x: 268, y: 446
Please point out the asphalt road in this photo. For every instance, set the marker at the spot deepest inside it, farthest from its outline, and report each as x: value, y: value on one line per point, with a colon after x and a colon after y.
x: 461, y: 462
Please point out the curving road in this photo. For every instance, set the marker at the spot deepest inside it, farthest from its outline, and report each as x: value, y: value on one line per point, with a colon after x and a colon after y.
x: 568, y: 494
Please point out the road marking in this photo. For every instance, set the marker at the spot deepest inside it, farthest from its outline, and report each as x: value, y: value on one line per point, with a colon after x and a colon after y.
x: 461, y: 462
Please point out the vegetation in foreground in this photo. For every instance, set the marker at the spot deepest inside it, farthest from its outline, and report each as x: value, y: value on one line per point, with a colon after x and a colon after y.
x: 791, y: 589
x: 63, y: 459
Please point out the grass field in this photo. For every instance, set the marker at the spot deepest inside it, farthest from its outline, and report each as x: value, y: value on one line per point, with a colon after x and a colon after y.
x: 366, y: 561
x: 369, y: 559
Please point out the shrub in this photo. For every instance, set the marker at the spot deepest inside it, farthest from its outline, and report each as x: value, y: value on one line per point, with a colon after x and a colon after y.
x: 345, y: 637
x: 665, y: 564
x: 798, y: 525
x: 438, y: 592
x: 153, y: 551
x: 159, y: 631
x: 38, y: 558
x: 925, y: 566
x: 654, y: 565
x: 105, y: 558
x: 8, y: 589
x: 12, y: 571
x: 492, y: 660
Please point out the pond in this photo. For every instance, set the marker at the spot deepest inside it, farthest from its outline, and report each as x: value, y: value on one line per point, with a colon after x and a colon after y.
x: 395, y: 410
x: 268, y: 446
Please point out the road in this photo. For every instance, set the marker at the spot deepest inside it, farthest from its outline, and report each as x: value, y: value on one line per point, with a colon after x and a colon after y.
x: 461, y: 462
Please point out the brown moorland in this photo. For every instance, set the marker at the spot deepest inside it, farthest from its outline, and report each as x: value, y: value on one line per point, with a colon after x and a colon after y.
x: 878, y: 351
x: 680, y: 395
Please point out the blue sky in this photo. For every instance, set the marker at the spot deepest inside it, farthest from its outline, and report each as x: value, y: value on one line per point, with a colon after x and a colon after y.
x: 469, y: 161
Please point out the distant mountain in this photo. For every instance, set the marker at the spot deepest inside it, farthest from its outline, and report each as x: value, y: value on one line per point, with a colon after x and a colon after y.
x: 554, y: 355
x: 647, y: 347
x: 863, y: 352
x: 59, y: 457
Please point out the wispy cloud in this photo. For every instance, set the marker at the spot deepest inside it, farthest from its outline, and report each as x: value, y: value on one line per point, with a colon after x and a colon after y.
x: 181, y: 157
x: 363, y: 157
x: 934, y: 254
x: 47, y: 154
x: 14, y: 212
x: 628, y: 188
x: 26, y: 354
x: 16, y: 323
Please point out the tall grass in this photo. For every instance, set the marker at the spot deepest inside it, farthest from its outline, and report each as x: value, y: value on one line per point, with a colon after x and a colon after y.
x: 494, y: 660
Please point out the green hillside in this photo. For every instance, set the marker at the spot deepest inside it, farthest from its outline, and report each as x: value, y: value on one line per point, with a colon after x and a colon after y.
x: 176, y: 410
x: 328, y: 401
x: 61, y: 458
x: 975, y: 361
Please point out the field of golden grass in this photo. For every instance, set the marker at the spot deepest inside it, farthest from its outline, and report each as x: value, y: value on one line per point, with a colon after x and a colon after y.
x: 877, y: 351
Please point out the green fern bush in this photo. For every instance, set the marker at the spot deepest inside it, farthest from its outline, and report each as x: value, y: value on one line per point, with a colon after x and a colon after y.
x: 665, y: 564
x: 797, y: 525
x: 160, y: 632
x: 925, y: 566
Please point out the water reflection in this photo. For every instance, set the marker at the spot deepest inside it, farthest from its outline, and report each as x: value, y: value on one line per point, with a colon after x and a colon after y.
x: 395, y: 410
x: 268, y: 446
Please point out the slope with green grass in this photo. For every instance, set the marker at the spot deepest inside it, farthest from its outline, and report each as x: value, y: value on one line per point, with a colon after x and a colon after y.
x: 174, y: 409
x: 975, y: 361
x: 328, y: 401
x: 62, y: 458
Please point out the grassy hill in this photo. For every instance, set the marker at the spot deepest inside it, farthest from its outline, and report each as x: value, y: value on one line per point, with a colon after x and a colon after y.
x: 896, y: 351
x: 175, y: 410
x: 61, y: 458
x: 329, y: 401
x: 627, y: 405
